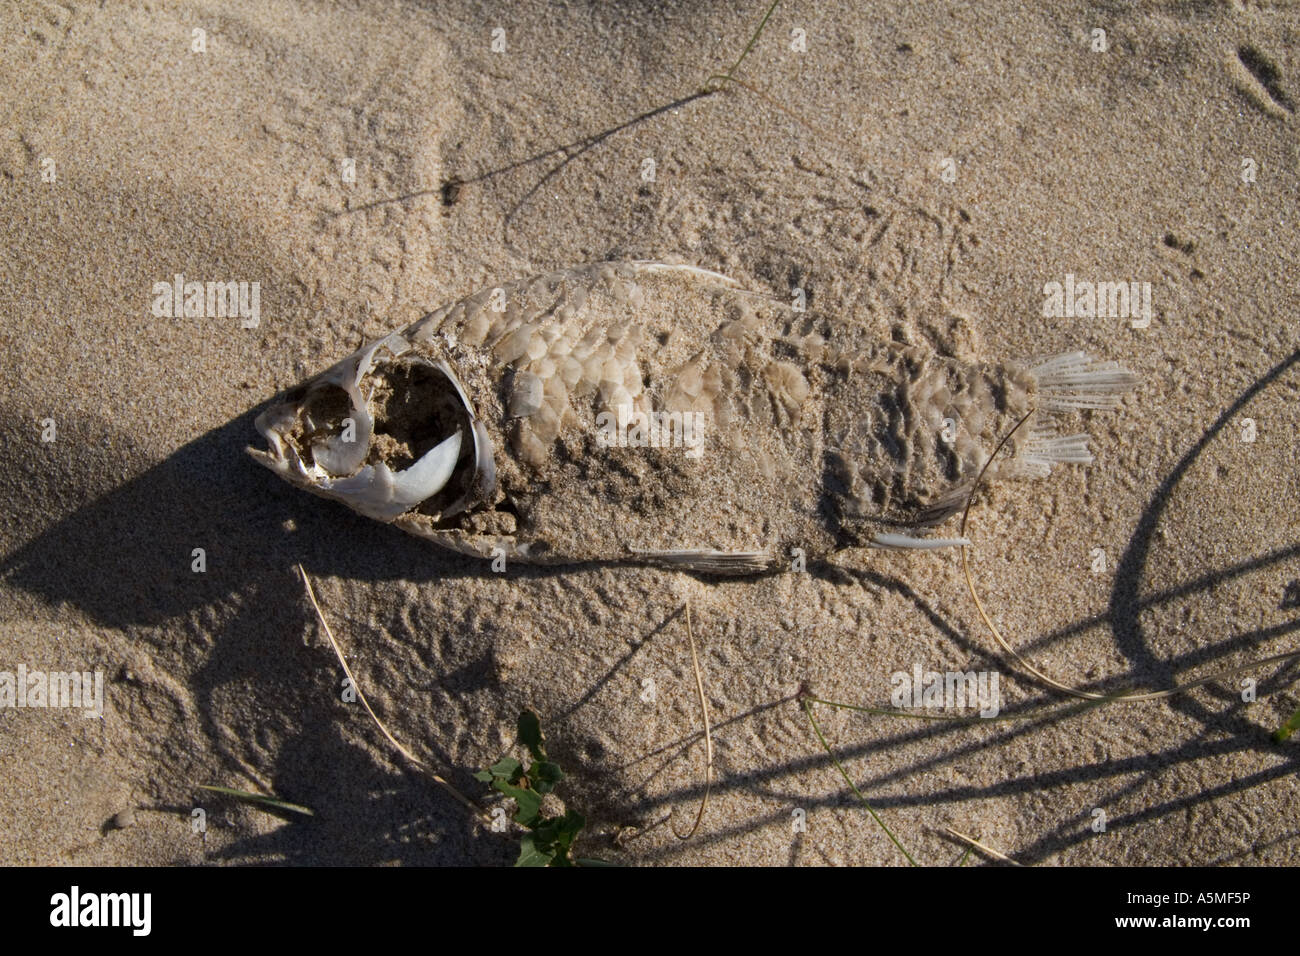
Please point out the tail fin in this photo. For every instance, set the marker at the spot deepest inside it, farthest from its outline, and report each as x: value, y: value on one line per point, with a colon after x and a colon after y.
x: 1045, y: 448
x: 1066, y: 383
x: 1075, y: 380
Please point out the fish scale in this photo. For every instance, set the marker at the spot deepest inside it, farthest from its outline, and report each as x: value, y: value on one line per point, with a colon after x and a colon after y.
x: 655, y: 412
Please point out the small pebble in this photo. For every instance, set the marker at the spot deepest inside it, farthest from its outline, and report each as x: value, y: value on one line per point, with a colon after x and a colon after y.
x: 124, y: 819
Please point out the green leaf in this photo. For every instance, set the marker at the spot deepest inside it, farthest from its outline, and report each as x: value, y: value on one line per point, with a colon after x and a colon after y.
x: 558, y: 833
x: 528, y: 801
x: 545, y: 831
x: 484, y: 775
x: 530, y: 734
x: 545, y: 775
x: 570, y: 825
x: 507, y: 768
x: 530, y: 854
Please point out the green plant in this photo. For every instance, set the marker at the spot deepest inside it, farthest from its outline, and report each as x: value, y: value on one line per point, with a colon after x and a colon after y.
x: 1286, y: 730
x: 549, y: 839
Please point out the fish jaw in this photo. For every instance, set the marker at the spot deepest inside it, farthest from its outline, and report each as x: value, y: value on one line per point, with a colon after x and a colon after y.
x: 349, y: 434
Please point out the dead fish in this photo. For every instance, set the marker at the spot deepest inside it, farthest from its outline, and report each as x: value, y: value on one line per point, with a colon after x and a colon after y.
x: 658, y: 413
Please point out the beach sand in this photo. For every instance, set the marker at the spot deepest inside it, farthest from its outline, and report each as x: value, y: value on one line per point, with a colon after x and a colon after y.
x: 922, y: 169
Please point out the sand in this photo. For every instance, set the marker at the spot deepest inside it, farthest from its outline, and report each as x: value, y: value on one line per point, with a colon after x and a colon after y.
x: 929, y: 170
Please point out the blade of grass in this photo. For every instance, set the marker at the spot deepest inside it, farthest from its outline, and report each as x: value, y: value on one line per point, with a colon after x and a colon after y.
x: 976, y: 844
x: 807, y: 706
x: 435, y: 777
x: 748, y: 46
x: 260, y: 799
x: 964, y: 718
x: 708, y: 734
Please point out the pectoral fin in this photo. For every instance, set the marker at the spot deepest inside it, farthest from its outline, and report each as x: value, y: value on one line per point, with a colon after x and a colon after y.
x: 708, y: 561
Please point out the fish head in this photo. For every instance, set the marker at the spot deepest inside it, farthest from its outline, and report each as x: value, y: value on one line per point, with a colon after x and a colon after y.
x: 386, y: 431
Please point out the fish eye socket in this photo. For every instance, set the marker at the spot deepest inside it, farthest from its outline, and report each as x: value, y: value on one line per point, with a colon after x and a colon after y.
x: 325, y: 410
x: 415, y: 407
x: 322, y: 416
